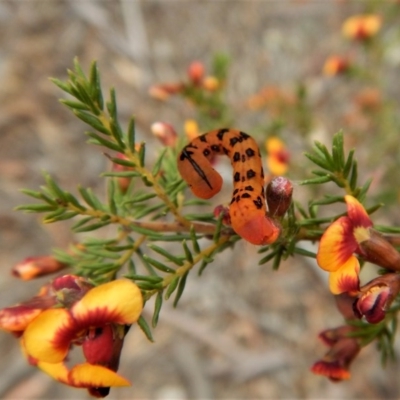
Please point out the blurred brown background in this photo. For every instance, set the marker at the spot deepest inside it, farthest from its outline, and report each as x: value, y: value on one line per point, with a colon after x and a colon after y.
x: 241, y: 331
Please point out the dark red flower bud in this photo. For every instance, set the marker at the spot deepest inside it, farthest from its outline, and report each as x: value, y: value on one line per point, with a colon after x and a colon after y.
x: 279, y: 196
x: 376, y: 297
x: 220, y: 209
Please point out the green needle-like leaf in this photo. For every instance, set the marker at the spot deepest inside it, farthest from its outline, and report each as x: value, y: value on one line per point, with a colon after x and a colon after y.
x: 157, y: 308
x: 144, y: 326
x: 181, y: 288
x: 171, y: 287
x: 176, y: 260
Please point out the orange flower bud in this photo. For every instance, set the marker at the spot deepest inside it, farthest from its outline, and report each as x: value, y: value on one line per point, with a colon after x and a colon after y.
x: 33, y: 267
x: 165, y: 133
x: 123, y: 181
x: 165, y: 90
x: 195, y: 72
x: 211, y: 83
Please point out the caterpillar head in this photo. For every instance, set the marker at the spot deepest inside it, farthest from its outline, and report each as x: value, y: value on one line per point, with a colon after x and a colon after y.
x: 257, y: 230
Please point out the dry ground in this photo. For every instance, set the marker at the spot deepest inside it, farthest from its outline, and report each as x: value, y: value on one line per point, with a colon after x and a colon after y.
x: 241, y: 331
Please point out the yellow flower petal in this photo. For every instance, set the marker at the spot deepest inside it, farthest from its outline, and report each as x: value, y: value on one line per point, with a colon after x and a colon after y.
x: 276, y: 166
x: 345, y: 279
x: 119, y: 301
x: 89, y: 375
x: 337, y: 245
x: 274, y: 145
x: 191, y: 129
x: 57, y: 371
x: 47, y: 338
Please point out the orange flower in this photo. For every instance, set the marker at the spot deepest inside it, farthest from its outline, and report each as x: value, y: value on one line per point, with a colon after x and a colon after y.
x: 97, y: 322
x: 362, y: 27
x: 277, y: 156
x: 70, y: 311
x: 339, y: 242
x: 343, y: 349
x: 191, y: 129
x: 335, y: 65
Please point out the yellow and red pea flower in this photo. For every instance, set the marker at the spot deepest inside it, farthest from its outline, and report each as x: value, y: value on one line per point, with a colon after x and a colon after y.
x: 343, y: 350
x: 338, y: 243
x: 70, y: 312
x: 362, y: 27
x: 277, y: 156
x: 335, y: 65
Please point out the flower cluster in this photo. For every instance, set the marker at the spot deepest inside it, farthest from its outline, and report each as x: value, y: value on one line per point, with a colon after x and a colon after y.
x: 360, y: 28
x: 196, y: 82
x: 69, y: 312
x: 345, y: 241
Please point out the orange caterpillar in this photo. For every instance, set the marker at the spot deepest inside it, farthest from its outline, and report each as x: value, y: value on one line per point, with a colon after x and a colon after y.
x: 247, y: 209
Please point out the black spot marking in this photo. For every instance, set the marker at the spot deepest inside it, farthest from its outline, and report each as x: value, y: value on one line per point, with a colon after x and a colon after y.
x: 233, y: 141
x: 250, y: 174
x: 237, y: 198
x: 215, y: 148
x: 243, y: 158
x: 250, y: 152
x: 244, y: 135
x: 258, y: 203
x: 221, y: 133
x: 203, y: 138
x: 236, y: 157
x: 246, y: 196
x: 235, y: 192
x: 236, y: 177
x: 206, y: 152
x: 249, y: 188
x: 262, y: 172
x: 233, y: 199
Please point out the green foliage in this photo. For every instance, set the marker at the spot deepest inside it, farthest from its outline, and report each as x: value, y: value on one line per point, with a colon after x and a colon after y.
x: 152, y: 210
